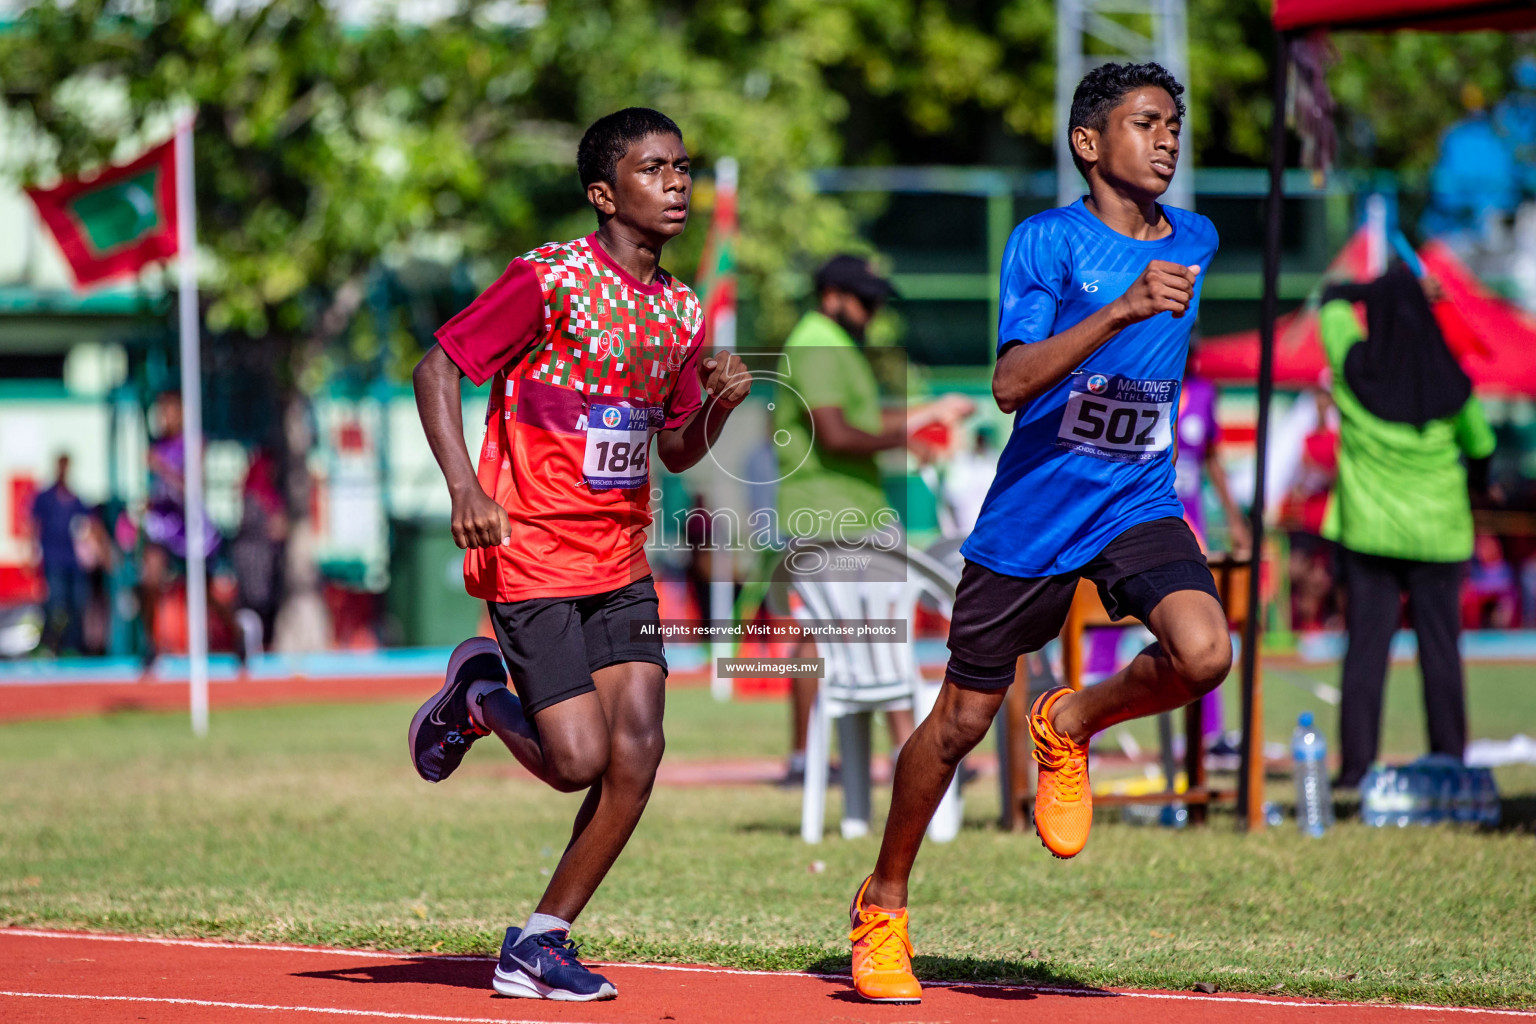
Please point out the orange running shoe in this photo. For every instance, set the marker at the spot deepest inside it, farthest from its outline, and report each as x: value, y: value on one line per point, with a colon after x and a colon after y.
x: 1063, y: 801
x: 882, y: 953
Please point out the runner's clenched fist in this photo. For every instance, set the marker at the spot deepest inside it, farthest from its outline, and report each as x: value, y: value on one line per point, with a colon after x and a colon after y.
x: 1162, y: 288
x: 725, y: 376
x: 478, y: 521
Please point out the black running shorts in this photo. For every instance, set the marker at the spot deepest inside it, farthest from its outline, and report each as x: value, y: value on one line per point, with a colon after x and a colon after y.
x: 552, y: 645
x: 997, y: 617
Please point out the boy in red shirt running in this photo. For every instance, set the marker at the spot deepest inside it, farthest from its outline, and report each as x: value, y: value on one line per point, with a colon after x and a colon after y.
x: 593, y: 349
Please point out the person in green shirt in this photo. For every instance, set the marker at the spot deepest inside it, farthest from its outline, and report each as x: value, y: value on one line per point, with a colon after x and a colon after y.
x: 828, y: 427
x: 1400, y: 509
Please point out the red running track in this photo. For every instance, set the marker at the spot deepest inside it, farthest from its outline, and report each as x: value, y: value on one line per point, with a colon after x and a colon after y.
x: 23, y: 701
x: 68, y: 977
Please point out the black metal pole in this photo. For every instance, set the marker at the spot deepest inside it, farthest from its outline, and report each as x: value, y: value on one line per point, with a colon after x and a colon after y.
x: 1253, y: 746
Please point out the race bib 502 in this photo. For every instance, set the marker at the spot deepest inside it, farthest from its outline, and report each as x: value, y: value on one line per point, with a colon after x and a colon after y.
x: 618, y: 445
x: 1119, y: 418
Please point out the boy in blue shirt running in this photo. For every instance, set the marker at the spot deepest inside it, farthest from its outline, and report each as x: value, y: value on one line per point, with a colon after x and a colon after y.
x: 1098, y: 299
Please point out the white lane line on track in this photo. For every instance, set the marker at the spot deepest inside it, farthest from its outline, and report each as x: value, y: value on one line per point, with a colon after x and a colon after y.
x: 1049, y: 990
x: 1089, y: 993
x: 269, y: 947
x: 219, y: 1004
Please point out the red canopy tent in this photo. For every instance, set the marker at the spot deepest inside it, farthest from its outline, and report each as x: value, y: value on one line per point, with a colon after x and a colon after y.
x: 1432, y: 15
x: 1494, y: 340
x: 1291, y: 19
x: 1299, y: 360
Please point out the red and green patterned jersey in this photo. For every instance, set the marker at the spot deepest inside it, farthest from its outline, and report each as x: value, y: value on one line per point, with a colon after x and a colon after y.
x: 588, y: 363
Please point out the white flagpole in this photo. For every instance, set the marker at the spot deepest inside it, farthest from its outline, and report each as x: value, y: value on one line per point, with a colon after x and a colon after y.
x: 722, y: 559
x: 192, y: 428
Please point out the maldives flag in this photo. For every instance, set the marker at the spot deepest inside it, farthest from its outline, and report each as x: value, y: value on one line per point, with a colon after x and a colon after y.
x: 115, y: 223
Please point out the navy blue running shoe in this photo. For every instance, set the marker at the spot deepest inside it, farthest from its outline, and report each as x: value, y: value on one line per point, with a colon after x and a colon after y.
x: 442, y: 731
x: 545, y: 967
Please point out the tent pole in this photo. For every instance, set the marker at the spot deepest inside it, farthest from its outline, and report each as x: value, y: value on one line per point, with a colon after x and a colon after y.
x: 1250, y: 785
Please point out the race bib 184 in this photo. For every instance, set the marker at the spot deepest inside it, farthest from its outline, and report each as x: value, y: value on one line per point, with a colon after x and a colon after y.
x: 618, y: 444
x: 1119, y: 418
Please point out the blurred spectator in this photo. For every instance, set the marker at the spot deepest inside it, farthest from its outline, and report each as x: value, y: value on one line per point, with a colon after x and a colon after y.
x: 762, y: 479
x: 1199, y: 434
x: 1476, y: 179
x: 1491, y: 595
x: 57, y: 515
x: 1315, y: 603
x: 1306, y: 504
x: 829, y: 409
x: 1528, y: 591
x: 163, y: 558
x: 98, y: 557
x: 698, y: 536
x: 259, y: 547
x: 1401, y: 511
x: 1195, y: 462
x: 1514, y: 119
x: 1313, y: 592
x: 165, y: 518
x: 967, y: 479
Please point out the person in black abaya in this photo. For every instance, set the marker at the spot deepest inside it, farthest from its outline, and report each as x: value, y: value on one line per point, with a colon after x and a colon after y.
x: 1400, y: 511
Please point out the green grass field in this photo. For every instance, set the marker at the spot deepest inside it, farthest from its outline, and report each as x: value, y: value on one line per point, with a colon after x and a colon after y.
x: 306, y: 824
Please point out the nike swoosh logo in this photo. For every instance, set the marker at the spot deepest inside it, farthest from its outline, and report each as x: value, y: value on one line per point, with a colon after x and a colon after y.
x: 436, y: 717
x: 468, y: 665
x: 533, y: 969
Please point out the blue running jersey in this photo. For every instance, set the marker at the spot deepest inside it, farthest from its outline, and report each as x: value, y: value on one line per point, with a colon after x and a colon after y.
x: 1093, y: 456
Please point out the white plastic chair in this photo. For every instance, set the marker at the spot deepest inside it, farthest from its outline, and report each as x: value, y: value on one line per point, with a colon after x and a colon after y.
x: 1039, y: 678
x: 863, y: 678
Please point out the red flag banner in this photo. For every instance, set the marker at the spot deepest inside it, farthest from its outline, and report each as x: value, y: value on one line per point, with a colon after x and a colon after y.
x: 115, y: 223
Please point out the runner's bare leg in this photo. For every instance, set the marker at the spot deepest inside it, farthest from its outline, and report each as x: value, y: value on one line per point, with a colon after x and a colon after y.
x: 1193, y: 654
x: 632, y: 698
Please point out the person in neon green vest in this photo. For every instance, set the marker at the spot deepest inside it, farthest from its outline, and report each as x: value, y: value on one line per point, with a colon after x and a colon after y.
x: 829, y: 425
x: 1400, y: 509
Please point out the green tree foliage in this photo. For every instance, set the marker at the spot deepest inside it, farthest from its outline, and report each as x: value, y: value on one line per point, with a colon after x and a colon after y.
x: 325, y: 148
x: 491, y: 132
x: 1398, y: 93
x: 294, y: 201
x: 972, y: 81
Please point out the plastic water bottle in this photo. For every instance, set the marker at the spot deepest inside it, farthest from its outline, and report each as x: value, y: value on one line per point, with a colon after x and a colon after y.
x: 1314, y: 799
x: 1173, y: 816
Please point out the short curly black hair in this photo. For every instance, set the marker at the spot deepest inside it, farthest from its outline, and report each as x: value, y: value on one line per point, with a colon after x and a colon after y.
x: 1102, y: 89
x: 609, y: 138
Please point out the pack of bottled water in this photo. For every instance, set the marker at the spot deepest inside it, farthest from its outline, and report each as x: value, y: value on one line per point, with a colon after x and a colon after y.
x: 1174, y: 815
x: 1432, y: 789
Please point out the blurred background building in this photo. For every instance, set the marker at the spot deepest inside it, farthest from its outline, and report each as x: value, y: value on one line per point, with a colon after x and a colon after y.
x: 364, y: 168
